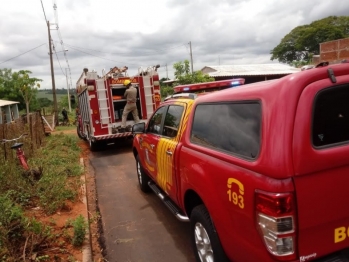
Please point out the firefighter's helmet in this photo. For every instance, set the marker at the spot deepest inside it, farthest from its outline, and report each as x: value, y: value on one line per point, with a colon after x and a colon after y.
x: 127, y: 82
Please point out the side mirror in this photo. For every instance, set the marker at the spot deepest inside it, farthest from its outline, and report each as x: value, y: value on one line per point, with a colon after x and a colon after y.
x: 138, y: 128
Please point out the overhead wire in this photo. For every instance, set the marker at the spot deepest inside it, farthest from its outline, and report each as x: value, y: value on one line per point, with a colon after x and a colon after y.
x: 54, y: 49
x: 78, y: 48
x: 94, y: 55
x: 63, y: 47
x: 156, y: 51
x: 43, y: 9
x: 22, y: 54
x: 100, y: 56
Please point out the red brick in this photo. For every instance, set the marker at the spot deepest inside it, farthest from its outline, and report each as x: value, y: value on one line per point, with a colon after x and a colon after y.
x: 328, y: 56
x: 344, y: 43
x: 344, y: 54
x: 328, y: 46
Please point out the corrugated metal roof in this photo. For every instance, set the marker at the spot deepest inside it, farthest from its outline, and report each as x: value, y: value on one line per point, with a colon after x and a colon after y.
x: 169, y: 81
x: 251, y: 70
x: 7, y: 103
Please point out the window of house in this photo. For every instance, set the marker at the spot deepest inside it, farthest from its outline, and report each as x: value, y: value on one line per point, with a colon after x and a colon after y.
x: 331, y: 116
x: 234, y: 128
x: 172, y: 120
x: 155, y: 122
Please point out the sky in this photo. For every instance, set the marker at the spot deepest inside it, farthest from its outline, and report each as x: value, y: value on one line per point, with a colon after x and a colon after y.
x: 101, y: 34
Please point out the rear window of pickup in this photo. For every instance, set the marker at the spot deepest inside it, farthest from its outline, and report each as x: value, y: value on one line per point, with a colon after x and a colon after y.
x: 331, y: 117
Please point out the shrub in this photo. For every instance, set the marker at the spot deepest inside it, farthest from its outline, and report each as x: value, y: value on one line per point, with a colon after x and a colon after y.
x: 11, y: 227
x: 79, y: 226
x: 21, y: 235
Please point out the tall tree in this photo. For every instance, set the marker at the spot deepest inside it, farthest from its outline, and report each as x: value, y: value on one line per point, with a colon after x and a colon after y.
x: 184, y: 76
x: 302, y: 42
x: 27, y: 86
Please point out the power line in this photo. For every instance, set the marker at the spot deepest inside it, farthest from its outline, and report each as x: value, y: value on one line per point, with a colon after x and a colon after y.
x: 54, y: 49
x: 174, y: 47
x: 43, y: 10
x: 79, y: 49
x: 64, y: 50
x: 100, y: 56
x: 22, y: 53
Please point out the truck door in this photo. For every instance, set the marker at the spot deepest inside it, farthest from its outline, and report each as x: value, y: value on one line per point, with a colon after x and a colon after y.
x: 150, y: 140
x: 166, y: 149
x: 321, y: 164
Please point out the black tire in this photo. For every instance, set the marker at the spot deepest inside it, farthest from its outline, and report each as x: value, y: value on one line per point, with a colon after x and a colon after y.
x: 202, y: 228
x: 94, y: 146
x: 143, y: 178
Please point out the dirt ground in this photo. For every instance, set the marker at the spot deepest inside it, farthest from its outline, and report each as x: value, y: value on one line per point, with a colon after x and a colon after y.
x: 72, y: 211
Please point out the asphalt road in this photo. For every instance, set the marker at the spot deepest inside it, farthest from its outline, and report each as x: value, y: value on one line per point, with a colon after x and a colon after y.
x: 136, y: 226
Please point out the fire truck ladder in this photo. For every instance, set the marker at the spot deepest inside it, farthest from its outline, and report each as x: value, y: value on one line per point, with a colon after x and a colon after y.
x: 103, y: 102
x: 148, y: 87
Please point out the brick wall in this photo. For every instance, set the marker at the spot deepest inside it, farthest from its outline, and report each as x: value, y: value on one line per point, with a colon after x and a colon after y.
x: 334, y: 51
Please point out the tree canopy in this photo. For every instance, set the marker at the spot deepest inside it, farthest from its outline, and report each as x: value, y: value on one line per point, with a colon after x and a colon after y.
x: 19, y: 86
x: 7, y: 87
x: 183, y: 75
x: 304, y: 41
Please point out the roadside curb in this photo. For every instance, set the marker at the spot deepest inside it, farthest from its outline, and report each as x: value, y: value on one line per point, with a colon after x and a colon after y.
x: 86, y: 248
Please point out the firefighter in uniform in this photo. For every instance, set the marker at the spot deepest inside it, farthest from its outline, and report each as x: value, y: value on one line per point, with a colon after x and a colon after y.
x: 130, y: 107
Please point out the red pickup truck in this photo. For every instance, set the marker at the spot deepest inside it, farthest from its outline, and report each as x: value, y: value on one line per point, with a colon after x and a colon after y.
x: 260, y: 171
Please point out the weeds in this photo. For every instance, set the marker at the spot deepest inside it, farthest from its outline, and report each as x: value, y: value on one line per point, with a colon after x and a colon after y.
x: 23, y: 237
x: 79, y: 226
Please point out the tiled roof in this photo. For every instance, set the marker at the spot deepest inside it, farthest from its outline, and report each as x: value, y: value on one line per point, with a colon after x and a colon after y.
x: 250, y: 70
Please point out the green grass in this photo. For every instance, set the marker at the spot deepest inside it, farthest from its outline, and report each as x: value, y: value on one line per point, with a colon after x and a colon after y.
x: 59, y: 181
x: 49, y: 96
x: 65, y: 128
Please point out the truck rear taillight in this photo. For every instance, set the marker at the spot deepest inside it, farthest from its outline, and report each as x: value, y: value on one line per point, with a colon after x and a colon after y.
x: 275, y: 216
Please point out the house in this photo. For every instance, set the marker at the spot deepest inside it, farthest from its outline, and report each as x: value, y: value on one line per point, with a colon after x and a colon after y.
x: 8, y: 111
x: 251, y: 73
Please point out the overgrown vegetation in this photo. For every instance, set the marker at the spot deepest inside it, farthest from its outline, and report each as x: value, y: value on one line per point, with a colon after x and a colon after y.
x: 22, y: 236
x: 165, y: 89
x: 21, y: 87
x: 184, y: 76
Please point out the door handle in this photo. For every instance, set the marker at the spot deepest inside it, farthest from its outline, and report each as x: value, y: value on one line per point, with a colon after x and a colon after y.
x: 168, y: 152
x: 152, y: 146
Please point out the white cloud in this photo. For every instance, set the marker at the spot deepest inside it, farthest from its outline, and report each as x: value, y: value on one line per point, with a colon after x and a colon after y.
x: 102, y: 34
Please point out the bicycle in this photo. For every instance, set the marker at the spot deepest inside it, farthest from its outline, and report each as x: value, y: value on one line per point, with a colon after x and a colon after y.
x: 32, y: 174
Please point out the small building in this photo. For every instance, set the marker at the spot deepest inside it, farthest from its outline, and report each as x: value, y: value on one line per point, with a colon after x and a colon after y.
x: 251, y: 73
x: 8, y: 111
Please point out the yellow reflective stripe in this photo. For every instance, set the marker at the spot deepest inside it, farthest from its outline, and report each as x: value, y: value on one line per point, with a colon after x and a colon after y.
x: 164, y: 169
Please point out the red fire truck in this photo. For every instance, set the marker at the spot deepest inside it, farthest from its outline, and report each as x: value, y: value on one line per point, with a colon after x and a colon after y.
x: 101, y: 103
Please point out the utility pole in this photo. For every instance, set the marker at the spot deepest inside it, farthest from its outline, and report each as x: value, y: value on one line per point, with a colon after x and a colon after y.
x: 66, y: 76
x: 166, y: 73
x: 191, y: 58
x: 52, y: 76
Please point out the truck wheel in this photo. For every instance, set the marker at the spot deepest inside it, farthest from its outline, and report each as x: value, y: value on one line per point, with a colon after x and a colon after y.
x: 143, y: 178
x: 93, y: 145
x: 204, y: 237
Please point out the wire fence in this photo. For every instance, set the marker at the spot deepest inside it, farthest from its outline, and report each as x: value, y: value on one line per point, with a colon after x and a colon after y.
x: 35, y: 138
